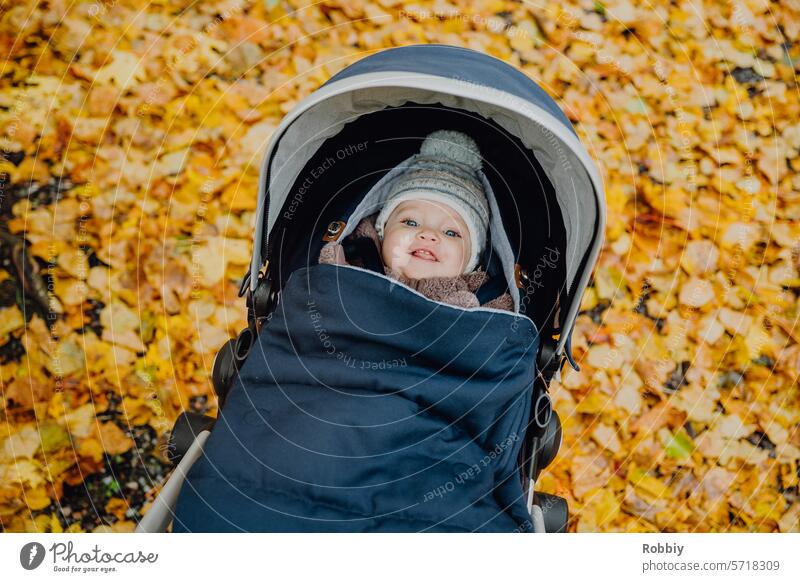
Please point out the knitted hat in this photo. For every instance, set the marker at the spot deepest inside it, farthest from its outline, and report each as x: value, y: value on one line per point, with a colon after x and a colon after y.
x: 446, y: 171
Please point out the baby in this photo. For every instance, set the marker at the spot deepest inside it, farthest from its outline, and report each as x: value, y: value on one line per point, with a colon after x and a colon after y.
x: 431, y: 229
x: 424, y: 238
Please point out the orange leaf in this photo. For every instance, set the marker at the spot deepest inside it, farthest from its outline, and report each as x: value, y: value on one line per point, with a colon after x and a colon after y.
x: 114, y: 441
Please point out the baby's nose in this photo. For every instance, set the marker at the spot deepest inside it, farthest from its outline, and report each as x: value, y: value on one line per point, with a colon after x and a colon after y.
x: 428, y: 235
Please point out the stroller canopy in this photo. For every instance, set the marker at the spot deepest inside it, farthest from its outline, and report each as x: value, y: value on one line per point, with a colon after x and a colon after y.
x: 465, y: 80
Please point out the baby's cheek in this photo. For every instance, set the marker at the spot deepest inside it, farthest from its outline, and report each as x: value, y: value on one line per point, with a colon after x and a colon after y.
x: 451, y: 267
x: 394, y: 252
x: 456, y: 257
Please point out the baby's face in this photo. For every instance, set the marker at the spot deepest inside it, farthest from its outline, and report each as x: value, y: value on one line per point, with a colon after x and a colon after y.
x: 424, y: 238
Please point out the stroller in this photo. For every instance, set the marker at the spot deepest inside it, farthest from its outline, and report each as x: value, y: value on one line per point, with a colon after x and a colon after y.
x: 352, y: 403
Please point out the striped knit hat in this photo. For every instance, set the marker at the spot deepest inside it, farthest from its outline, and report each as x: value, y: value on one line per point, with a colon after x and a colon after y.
x: 445, y: 171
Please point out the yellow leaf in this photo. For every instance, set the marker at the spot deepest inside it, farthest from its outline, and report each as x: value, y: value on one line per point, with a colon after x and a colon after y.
x: 91, y: 448
x: 37, y: 499
x: 54, y: 437
x: 790, y: 522
x: 236, y: 197
x: 123, y: 526
x: 601, y: 509
x: 114, y: 441
x: 22, y: 471
x: 124, y: 69
x: 74, y: 262
x: 593, y: 403
x: 45, y: 523
x: 67, y: 360
x: 56, y: 467
x: 10, y: 320
x: 80, y: 422
x: 71, y: 291
x: 117, y: 507
x: 22, y: 444
x: 589, y: 300
x: 605, y: 357
x: 644, y: 482
x: 119, y: 318
x: 758, y: 341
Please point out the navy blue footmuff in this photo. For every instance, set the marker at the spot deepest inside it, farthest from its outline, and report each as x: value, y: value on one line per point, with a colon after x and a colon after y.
x: 363, y: 406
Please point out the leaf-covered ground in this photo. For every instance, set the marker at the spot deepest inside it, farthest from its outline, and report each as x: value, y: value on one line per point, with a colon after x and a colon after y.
x: 131, y: 136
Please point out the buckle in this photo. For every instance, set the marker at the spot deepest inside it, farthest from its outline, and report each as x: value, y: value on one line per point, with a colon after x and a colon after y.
x: 335, y: 230
x: 262, y: 270
x: 547, y: 364
x: 521, y: 276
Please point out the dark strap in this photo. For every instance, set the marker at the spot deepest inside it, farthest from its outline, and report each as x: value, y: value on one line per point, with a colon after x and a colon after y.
x: 362, y: 252
x: 491, y: 289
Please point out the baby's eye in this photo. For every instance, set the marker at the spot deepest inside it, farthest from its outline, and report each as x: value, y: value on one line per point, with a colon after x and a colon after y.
x: 409, y: 222
x: 452, y: 233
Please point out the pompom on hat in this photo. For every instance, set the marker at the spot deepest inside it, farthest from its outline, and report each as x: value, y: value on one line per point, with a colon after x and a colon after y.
x: 446, y: 171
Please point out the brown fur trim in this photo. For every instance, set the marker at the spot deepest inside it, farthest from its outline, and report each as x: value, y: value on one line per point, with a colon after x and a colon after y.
x: 366, y: 227
x: 503, y: 302
x: 332, y: 254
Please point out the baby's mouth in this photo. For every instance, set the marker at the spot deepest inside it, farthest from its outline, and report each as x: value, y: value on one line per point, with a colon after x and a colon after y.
x: 424, y: 254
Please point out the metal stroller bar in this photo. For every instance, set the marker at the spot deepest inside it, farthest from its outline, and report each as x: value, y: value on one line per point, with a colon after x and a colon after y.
x: 160, y: 515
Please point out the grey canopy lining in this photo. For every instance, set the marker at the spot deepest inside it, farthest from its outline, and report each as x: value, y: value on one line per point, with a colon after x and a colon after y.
x: 306, y: 134
x: 374, y: 200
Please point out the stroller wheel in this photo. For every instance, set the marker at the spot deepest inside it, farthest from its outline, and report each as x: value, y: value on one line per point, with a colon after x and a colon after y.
x: 229, y: 359
x: 185, y: 430
x: 550, y: 442
x: 223, y: 370
x: 555, y: 512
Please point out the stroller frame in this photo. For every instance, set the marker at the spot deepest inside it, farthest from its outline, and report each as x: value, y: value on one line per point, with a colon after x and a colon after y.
x: 414, y: 82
